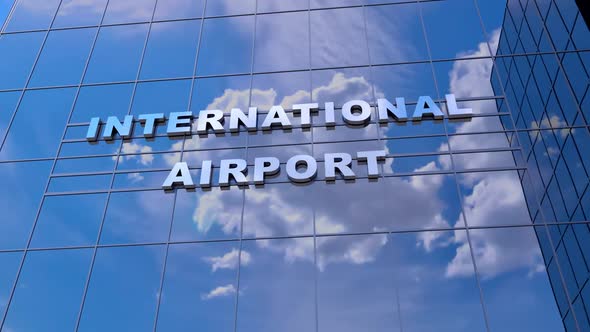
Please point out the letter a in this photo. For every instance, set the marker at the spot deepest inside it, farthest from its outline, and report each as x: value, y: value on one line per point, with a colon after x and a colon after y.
x: 179, y: 175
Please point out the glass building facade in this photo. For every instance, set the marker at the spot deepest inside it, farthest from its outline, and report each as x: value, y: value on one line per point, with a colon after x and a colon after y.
x: 474, y: 224
x: 545, y: 74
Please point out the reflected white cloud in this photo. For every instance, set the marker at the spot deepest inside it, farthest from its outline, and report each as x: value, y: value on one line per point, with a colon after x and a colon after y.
x: 489, y: 199
x: 220, y: 291
x: 229, y: 260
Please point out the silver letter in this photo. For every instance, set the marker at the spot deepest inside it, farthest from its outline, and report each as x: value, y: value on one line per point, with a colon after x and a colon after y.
x: 276, y: 115
x: 180, y: 175
x: 427, y: 107
x: 330, y: 118
x: 237, y: 116
x: 149, y: 129
x: 234, y: 167
x: 399, y: 111
x: 310, y: 172
x: 264, y: 166
x: 205, y: 180
x: 113, y: 124
x: 454, y: 111
x: 356, y: 119
x: 372, y: 158
x: 179, y: 123
x: 305, y: 110
x: 340, y: 161
x: 92, y: 133
x: 212, y: 117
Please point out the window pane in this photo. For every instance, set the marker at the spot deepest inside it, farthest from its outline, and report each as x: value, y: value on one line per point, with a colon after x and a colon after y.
x: 91, y: 102
x: 229, y: 7
x: 493, y: 198
x: 132, y: 217
x: 63, y: 58
x: 10, y: 262
x: 32, y: 15
x: 177, y: 9
x: 456, y: 34
x: 128, y: 11
x: 123, y: 289
x: 199, y: 287
x: 510, y: 265
x: 278, y: 277
x: 222, y: 93
x: 265, y: 6
x: 278, y: 210
x: 8, y: 101
x: 171, y: 50
x: 203, y: 215
x: 20, y: 206
x: 18, y: 55
x: 38, y: 124
x: 50, y: 289
x: 226, y: 46
x: 395, y: 40
x: 282, y: 42
x: 161, y: 97
x: 71, y: 220
x: 73, y: 13
x: 331, y: 34
x: 409, y: 81
x: 123, y: 43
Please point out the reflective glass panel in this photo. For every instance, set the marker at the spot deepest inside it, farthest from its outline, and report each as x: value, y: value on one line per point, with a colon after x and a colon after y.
x: 50, y: 289
x: 171, y: 50
x: 19, y: 52
x: 226, y: 46
x: 32, y: 15
x: 123, y: 43
x: 123, y: 289
x: 63, y: 58
x: 21, y: 193
x: 39, y: 124
x: 71, y: 220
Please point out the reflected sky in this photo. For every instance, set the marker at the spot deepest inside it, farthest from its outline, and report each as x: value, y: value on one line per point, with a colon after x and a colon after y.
x: 377, y: 282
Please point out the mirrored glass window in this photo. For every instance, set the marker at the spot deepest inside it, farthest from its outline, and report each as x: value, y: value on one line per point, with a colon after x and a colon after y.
x: 20, y: 205
x: 177, y: 9
x: 74, y: 13
x: 129, y: 11
x: 132, y: 217
x: 19, y: 52
x: 32, y: 15
x: 171, y: 50
x: 200, y: 287
x: 92, y: 103
x: 50, y: 288
x: 331, y: 34
x: 38, y: 124
x: 10, y: 262
x: 71, y: 220
x: 277, y: 276
x: 226, y: 46
x: 63, y: 58
x: 517, y: 272
x: 117, y: 53
x: 282, y: 42
x: 8, y: 101
x: 123, y: 289
x: 395, y: 34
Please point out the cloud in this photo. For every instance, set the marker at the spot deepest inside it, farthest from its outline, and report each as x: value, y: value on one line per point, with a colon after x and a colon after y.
x: 220, y: 291
x: 229, y: 260
x: 145, y: 158
x: 488, y: 198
